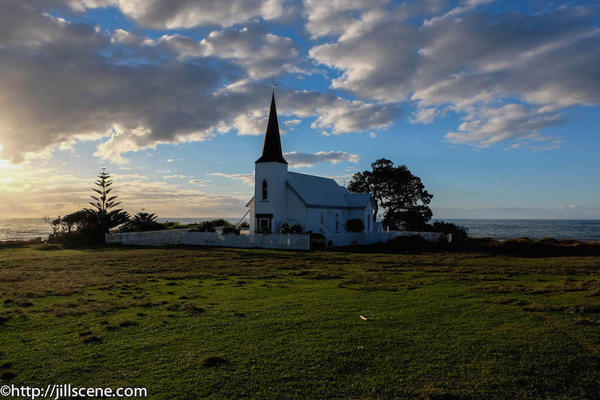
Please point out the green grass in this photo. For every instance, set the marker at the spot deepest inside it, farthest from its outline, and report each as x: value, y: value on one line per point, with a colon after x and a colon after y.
x: 231, y: 323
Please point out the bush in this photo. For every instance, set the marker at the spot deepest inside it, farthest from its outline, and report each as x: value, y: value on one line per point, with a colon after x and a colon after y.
x: 355, y: 225
x: 231, y: 229
x: 317, y: 241
x: 459, y: 233
x: 81, y: 228
x: 209, y: 226
x: 142, y: 222
x: 290, y: 228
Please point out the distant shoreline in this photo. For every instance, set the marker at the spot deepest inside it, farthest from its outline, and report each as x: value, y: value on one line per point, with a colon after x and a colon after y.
x: 498, y: 229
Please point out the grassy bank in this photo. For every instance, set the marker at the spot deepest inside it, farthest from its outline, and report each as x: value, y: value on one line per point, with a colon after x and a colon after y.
x: 227, y: 323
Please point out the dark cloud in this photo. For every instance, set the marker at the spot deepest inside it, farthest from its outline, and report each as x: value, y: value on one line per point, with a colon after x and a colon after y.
x: 65, y: 82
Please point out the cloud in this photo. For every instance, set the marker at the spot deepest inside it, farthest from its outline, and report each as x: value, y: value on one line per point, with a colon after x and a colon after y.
x: 70, y: 82
x: 467, y: 61
x: 297, y: 159
x: 491, y: 125
x: 425, y: 115
x: 248, y: 179
x: 169, y: 14
x: 260, y: 53
x: 198, y: 182
x: 291, y: 123
x: 37, y: 192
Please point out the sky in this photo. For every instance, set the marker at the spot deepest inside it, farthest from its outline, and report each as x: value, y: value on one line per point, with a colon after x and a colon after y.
x: 493, y: 104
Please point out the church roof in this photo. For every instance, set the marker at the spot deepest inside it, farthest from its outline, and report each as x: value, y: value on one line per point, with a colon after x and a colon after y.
x: 358, y: 200
x: 316, y: 191
x: 272, y: 145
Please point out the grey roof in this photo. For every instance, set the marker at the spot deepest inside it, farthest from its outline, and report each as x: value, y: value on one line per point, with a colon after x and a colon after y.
x: 272, y: 144
x: 324, y: 192
x: 358, y: 200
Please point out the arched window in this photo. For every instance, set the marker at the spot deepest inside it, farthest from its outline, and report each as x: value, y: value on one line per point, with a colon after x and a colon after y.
x: 337, y: 222
x: 265, y: 191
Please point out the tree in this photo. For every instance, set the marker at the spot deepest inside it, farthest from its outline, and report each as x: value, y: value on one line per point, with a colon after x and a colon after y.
x: 400, y: 194
x: 106, y: 214
x: 142, y: 222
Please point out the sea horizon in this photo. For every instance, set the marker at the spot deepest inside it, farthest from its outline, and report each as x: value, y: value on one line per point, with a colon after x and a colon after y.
x: 23, y: 228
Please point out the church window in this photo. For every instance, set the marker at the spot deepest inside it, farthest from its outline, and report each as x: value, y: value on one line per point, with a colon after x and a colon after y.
x: 337, y: 222
x: 264, y: 190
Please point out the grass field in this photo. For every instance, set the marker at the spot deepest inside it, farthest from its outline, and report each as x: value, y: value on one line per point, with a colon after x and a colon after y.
x: 231, y: 323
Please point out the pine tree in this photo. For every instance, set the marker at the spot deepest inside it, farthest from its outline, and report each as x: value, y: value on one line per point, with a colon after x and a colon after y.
x: 107, y: 215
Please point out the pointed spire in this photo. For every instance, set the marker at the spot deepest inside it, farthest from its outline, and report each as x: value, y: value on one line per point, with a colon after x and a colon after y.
x: 272, y: 145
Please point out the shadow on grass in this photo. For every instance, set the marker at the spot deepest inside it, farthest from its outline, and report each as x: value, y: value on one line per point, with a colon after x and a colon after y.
x: 522, y: 247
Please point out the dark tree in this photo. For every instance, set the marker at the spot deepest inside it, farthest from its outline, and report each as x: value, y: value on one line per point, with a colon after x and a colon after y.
x: 79, y: 221
x: 142, y: 222
x: 106, y: 214
x: 400, y: 194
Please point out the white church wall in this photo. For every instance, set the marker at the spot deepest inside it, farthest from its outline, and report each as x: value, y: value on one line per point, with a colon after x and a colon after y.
x: 275, y: 174
x: 323, y: 220
x: 296, y: 210
x: 251, y: 219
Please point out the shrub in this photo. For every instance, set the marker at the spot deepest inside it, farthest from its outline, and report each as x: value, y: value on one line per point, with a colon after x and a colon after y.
x: 209, y: 226
x: 290, y: 228
x: 355, y: 225
x: 459, y: 233
x: 142, y: 222
x: 317, y: 241
x: 231, y: 229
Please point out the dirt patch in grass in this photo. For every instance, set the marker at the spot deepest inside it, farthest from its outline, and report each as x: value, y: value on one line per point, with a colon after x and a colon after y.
x: 8, y: 375
x: 536, y: 307
x: 92, y: 340
x: 213, y: 360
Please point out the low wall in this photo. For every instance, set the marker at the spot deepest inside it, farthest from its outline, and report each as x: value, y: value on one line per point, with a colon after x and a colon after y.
x: 348, y: 239
x: 186, y: 237
x: 266, y: 241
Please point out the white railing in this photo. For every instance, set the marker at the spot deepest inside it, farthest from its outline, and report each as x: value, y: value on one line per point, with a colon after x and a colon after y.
x: 266, y: 241
x: 186, y: 237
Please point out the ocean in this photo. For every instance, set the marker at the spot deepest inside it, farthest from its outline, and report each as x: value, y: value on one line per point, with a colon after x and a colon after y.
x: 500, y: 229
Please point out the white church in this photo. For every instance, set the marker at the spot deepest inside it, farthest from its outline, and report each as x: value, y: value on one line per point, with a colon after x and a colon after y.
x: 315, y: 203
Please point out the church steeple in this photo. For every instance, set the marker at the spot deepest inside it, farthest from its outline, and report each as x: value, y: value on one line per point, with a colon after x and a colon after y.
x: 272, y: 146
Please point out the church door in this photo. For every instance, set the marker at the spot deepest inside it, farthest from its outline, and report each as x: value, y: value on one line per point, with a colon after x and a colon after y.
x: 263, y: 223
